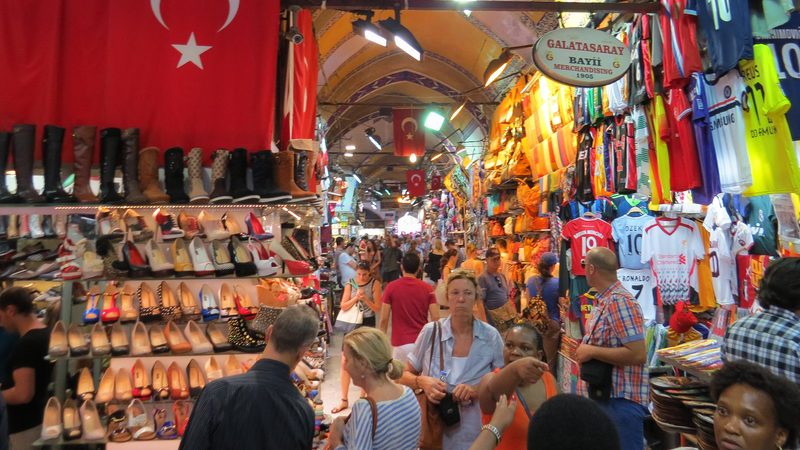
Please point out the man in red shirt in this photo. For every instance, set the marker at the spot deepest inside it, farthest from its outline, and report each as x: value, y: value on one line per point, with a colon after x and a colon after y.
x: 408, y: 301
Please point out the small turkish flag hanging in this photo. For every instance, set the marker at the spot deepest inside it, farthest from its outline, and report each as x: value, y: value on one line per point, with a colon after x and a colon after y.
x: 409, y: 136
x: 415, y: 179
x: 436, y: 182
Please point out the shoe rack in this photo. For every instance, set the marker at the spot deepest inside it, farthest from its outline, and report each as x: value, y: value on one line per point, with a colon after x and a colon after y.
x: 110, y: 303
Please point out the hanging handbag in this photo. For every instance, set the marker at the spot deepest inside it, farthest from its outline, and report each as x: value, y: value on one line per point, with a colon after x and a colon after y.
x: 432, y: 425
x: 349, y: 320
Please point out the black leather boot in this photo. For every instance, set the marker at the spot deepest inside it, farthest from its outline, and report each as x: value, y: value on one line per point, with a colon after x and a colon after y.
x: 52, y: 141
x: 238, y: 177
x: 24, y: 136
x: 5, y: 150
x: 300, y: 163
x: 130, y: 166
x: 173, y: 175
x: 110, y: 153
x: 263, y: 167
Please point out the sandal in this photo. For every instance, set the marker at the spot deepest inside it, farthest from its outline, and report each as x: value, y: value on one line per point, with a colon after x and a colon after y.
x: 342, y: 406
x: 138, y: 422
x: 165, y: 429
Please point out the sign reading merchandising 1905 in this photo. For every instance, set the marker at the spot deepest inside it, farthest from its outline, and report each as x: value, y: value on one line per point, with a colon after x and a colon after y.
x: 581, y: 57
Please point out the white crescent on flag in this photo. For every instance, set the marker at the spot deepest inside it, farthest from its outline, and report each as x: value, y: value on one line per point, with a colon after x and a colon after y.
x: 409, y: 132
x: 416, y: 179
x: 233, y: 9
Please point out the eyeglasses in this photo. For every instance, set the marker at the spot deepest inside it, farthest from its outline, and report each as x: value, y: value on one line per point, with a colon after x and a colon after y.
x: 499, y: 282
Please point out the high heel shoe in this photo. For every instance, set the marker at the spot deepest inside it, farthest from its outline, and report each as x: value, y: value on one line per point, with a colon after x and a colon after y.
x: 58, y: 345
x: 135, y: 226
x: 71, y: 419
x: 244, y: 305
x: 221, y: 259
x: 90, y: 419
x: 176, y: 340
x: 181, y: 258
x: 213, y: 371
x: 158, y: 341
x: 85, y: 388
x: 212, y: 226
x: 178, y: 387
x: 242, y: 338
x: 51, y: 423
x: 180, y: 410
x: 165, y: 429
x: 227, y: 304
x: 137, y: 266
x: 77, y: 342
x: 208, y: 302
x: 255, y: 229
x: 99, y: 339
x: 232, y: 367
x: 200, y: 259
x: 190, y: 225
x: 170, y: 310
x: 138, y: 421
x: 159, y: 265
x: 197, y: 339
x: 166, y: 226
x: 123, y: 386
x: 160, y: 381
x: 141, y: 381
x: 127, y: 309
x: 119, y: 341
x: 92, y: 313
x: 189, y: 307
x: 117, y: 429
x: 218, y: 340
x: 105, y: 392
x: 110, y: 313
x: 197, y: 379
x: 242, y: 261
x: 265, y: 264
x: 140, y: 342
x: 230, y: 224
x: 149, y: 307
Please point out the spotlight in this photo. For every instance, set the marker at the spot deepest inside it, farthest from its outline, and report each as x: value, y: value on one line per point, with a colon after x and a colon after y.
x: 403, y: 38
x: 458, y: 110
x: 374, y: 138
x: 368, y: 29
x: 413, y: 157
x: 434, y: 121
x: 496, y: 67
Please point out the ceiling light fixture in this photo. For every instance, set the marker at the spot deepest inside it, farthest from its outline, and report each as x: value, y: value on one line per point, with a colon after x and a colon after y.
x: 458, y: 110
x: 437, y: 156
x: 355, y: 175
x: 388, y: 192
x: 467, y: 12
x: 368, y: 29
x: 497, y: 66
x: 403, y: 38
x: 413, y: 158
x: 348, y: 155
x: 349, y: 147
x: 434, y: 121
x: 374, y: 138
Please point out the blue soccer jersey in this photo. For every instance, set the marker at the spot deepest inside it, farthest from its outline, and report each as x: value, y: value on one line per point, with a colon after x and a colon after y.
x: 726, y: 25
x: 704, y: 141
x: 627, y: 233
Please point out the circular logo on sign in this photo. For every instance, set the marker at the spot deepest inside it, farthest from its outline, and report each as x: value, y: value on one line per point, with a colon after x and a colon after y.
x: 727, y: 92
x: 549, y: 56
x: 615, y: 64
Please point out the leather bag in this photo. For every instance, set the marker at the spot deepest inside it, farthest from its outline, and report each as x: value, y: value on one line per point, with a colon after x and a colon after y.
x: 432, y: 426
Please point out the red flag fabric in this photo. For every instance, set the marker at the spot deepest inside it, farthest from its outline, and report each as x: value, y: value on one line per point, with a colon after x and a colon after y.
x: 436, y: 182
x: 409, y: 135
x: 300, y: 96
x: 415, y: 182
x: 186, y: 72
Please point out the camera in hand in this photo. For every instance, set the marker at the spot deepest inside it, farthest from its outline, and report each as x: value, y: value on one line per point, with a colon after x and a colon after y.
x: 448, y: 409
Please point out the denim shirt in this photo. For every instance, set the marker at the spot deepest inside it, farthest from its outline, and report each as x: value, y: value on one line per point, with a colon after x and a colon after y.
x: 485, y: 354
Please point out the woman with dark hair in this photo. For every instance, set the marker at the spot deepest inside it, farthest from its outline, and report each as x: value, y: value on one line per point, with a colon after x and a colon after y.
x: 448, y: 263
x: 373, y: 258
x: 756, y: 410
x: 545, y: 285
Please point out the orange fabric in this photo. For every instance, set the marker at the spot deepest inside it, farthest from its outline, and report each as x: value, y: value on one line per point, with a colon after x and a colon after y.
x: 516, y: 435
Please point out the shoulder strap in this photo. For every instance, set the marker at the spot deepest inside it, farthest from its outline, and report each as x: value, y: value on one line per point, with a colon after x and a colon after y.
x: 441, y: 350
x: 524, y: 403
x: 433, y: 343
x: 374, y: 409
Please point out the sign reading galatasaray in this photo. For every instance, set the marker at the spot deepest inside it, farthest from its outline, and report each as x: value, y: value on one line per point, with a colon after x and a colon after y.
x: 581, y: 57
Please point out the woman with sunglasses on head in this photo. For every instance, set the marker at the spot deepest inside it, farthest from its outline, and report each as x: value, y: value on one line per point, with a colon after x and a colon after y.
x: 449, y: 368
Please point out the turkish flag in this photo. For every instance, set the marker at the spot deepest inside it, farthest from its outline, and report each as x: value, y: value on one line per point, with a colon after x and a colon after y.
x: 186, y: 72
x: 409, y: 136
x: 415, y: 181
x: 300, y: 96
x: 436, y: 182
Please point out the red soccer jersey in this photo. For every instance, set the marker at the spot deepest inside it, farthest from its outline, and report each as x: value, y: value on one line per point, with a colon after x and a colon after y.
x: 584, y: 234
x: 684, y: 166
x: 681, y: 54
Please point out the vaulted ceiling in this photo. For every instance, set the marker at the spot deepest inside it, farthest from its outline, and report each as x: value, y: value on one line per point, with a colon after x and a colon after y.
x: 360, y: 81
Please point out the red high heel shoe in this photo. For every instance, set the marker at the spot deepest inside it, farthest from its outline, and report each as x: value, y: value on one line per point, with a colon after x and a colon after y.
x: 110, y: 313
x: 242, y: 305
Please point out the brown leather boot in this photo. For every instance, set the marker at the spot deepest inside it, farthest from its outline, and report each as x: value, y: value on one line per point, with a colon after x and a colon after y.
x: 284, y: 176
x: 148, y: 176
x: 83, y: 138
x: 194, y: 162
x: 24, y: 136
x: 130, y: 166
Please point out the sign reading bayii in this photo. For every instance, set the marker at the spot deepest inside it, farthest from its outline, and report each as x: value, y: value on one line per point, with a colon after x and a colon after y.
x: 581, y: 57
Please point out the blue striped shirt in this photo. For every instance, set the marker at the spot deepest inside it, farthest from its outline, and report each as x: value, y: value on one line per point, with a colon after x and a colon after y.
x: 399, y: 425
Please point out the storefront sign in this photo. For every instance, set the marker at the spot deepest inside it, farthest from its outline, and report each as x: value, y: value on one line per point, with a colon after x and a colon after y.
x: 581, y: 57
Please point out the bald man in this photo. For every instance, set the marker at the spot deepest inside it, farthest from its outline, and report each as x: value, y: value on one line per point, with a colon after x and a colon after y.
x: 615, y: 335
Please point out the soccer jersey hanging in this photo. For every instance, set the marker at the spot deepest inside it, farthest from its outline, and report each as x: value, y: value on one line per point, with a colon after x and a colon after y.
x: 785, y: 45
x: 684, y: 168
x: 672, y: 247
x: 726, y: 24
x: 704, y: 140
x: 584, y: 234
x: 681, y: 53
x: 640, y: 284
x: 627, y: 233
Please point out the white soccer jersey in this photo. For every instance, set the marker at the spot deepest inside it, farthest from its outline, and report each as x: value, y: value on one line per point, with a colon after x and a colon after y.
x: 640, y: 284
x: 673, y: 247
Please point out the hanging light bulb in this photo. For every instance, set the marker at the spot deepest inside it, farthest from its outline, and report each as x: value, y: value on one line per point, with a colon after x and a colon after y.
x: 413, y: 158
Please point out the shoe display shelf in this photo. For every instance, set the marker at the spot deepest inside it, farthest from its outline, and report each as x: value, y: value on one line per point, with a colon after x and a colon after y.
x: 113, y: 355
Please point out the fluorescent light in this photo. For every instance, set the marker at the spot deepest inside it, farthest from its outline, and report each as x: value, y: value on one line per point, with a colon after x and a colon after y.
x: 496, y: 68
x: 408, y: 47
x: 458, y: 110
x: 434, y: 121
x: 375, y: 37
x: 403, y: 38
x: 387, y: 192
x: 356, y: 177
x: 437, y: 156
x: 291, y: 213
x: 370, y: 31
x: 413, y: 158
x: 376, y: 141
x: 349, y: 147
x: 348, y: 155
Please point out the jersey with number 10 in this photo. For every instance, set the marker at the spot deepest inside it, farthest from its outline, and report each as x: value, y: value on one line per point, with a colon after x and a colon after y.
x: 726, y: 24
x: 627, y: 232
x: 583, y: 235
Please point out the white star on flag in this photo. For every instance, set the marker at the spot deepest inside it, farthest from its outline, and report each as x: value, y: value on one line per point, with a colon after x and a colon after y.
x: 190, y: 53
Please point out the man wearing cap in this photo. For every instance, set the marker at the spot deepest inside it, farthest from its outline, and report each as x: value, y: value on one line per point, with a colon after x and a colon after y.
x: 545, y: 285
x: 500, y: 312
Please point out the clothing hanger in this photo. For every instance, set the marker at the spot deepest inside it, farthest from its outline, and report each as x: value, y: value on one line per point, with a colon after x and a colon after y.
x: 635, y: 209
x: 589, y: 215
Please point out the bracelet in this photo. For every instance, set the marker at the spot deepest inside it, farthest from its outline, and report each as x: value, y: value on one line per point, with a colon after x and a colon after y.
x: 416, y: 382
x: 494, y: 430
